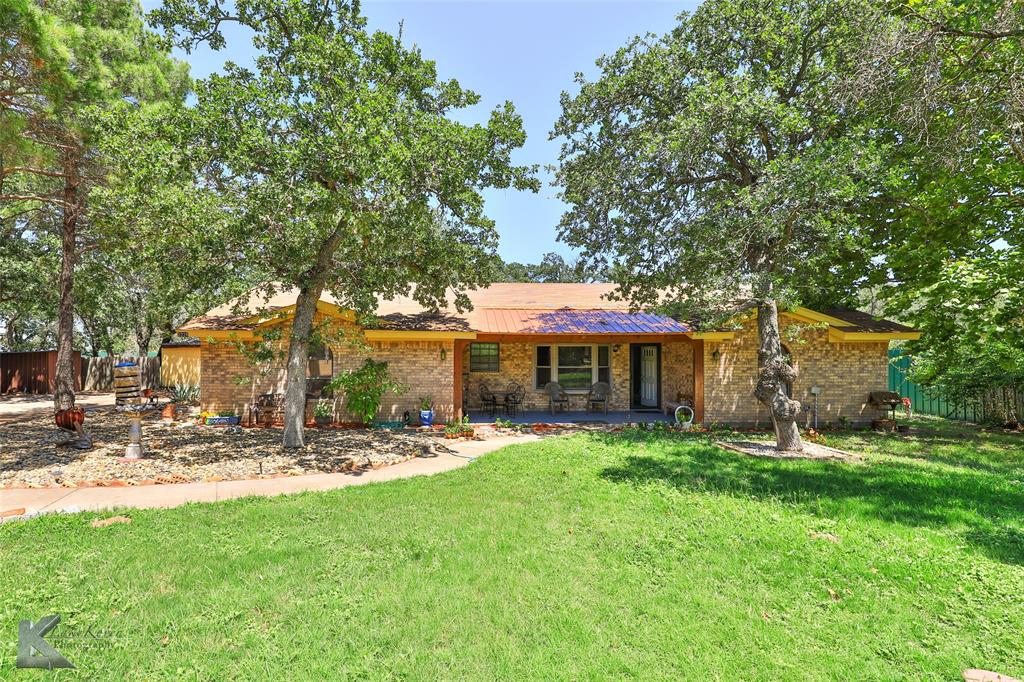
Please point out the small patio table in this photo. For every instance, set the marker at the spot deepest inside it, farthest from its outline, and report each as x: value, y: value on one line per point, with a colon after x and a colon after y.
x: 513, y: 399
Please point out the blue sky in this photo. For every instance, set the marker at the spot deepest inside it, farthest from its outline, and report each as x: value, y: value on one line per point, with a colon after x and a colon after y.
x: 526, y: 51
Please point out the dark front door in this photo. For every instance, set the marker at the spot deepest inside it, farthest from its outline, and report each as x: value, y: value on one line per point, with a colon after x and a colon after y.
x: 645, y: 376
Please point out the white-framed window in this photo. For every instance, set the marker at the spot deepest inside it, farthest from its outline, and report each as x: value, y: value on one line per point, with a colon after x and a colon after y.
x: 576, y: 367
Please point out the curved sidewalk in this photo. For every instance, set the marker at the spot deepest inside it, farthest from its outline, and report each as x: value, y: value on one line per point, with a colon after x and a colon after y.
x: 46, y: 500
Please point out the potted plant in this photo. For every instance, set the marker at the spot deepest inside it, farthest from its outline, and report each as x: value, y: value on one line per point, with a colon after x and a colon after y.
x: 180, y: 394
x: 223, y: 418
x: 426, y: 410
x: 323, y: 412
x: 458, y: 429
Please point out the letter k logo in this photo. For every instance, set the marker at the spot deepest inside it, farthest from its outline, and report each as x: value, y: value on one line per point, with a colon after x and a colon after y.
x: 31, y: 642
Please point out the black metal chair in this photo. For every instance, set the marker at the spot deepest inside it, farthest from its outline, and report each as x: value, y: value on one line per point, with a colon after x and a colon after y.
x: 488, y: 400
x: 267, y: 408
x: 515, y: 394
x: 599, y: 396
x: 557, y: 398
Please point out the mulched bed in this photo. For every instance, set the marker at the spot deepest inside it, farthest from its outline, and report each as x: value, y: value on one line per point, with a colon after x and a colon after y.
x: 182, y: 451
x: 810, y: 451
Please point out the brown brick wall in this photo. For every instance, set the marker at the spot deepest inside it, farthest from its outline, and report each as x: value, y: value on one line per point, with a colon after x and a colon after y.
x: 229, y: 382
x: 677, y: 371
x: 845, y: 372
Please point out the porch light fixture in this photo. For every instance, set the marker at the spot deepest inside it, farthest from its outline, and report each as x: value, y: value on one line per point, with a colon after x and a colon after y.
x: 715, y: 354
x: 616, y: 347
x: 444, y: 353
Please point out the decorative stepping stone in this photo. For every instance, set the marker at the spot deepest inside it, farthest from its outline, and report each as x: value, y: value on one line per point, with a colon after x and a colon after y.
x: 976, y: 675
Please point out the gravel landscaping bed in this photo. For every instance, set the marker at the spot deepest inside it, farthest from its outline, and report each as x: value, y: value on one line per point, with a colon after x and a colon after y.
x: 182, y: 451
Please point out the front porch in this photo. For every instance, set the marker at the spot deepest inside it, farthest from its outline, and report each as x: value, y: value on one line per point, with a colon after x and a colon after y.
x: 570, y: 417
x: 648, y: 375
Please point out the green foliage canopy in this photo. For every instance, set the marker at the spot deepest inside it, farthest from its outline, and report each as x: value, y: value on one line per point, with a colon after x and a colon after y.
x: 338, y: 155
x: 715, y: 163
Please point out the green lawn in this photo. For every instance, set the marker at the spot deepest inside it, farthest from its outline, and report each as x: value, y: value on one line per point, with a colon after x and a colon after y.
x: 628, y: 555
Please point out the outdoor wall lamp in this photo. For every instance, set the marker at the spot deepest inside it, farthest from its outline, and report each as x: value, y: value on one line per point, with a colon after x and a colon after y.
x: 715, y: 354
x: 444, y: 353
x: 616, y: 347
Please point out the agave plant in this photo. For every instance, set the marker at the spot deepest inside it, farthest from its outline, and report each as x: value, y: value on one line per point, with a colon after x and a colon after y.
x: 185, y: 393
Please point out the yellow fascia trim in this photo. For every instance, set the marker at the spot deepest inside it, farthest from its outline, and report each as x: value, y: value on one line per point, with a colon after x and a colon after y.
x: 808, y: 315
x: 220, y: 334
x: 284, y: 313
x: 712, y: 336
x: 413, y: 335
x: 336, y: 311
x: 839, y: 336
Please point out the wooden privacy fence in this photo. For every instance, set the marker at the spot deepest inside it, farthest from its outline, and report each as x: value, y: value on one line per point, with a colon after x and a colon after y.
x: 34, y: 371
x: 999, y: 403
x: 98, y: 373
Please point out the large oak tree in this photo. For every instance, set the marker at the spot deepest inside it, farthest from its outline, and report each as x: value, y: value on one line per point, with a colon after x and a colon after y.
x: 338, y: 154
x: 718, y: 170
x: 945, y: 82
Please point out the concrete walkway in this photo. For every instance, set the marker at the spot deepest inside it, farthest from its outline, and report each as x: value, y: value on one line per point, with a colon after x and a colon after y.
x: 18, y: 406
x: 45, y: 500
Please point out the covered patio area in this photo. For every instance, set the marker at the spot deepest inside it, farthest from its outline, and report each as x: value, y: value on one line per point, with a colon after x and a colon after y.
x: 570, y: 417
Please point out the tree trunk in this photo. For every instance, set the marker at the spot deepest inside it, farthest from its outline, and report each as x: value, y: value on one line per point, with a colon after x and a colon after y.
x: 64, y: 396
x: 11, y: 332
x: 774, y: 375
x: 298, y: 341
x: 298, y: 359
x: 142, y: 339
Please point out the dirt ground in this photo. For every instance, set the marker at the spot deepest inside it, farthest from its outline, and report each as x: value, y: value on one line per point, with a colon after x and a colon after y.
x: 20, y: 405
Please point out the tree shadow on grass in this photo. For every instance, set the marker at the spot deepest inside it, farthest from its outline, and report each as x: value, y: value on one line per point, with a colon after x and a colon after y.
x: 986, y: 508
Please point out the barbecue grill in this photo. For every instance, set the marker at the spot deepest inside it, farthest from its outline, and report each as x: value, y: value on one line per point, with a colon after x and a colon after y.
x: 885, y: 400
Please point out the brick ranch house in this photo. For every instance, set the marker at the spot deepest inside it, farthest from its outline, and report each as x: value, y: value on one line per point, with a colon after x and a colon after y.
x: 570, y: 333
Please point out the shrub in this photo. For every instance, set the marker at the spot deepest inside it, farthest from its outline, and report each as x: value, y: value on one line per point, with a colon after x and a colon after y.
x: 365, y: 387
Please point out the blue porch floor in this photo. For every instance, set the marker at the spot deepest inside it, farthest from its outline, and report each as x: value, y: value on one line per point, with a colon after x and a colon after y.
x: 545, y: 417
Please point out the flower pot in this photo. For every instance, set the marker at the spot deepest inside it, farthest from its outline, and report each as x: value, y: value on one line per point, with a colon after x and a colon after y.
x: 223, y: 421
x: 322, y: 421
x: 169, y: 411
x: 426, y: 417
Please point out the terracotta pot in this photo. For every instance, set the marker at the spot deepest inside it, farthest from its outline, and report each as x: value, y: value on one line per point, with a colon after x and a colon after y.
x: 68, y: 419
x: 170, y: 411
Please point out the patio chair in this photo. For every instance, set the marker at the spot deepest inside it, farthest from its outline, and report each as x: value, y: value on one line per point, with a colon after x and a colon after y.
x: 599, y: 396
x: 488, y: 400
x: 267, y: 408
x: 515, y: 394
x: 556, y: 396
